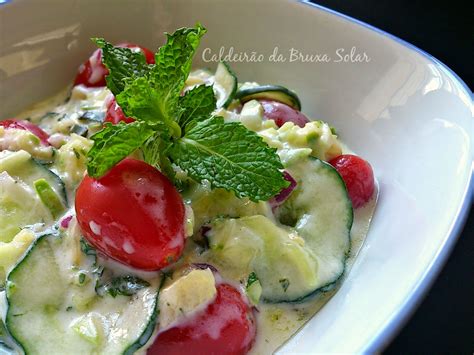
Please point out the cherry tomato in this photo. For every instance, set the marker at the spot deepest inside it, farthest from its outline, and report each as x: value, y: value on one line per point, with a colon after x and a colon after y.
x: 92, y: 72
x: 282, y: 113
x: 226, y: 327
x: 358, y: 176
x: 133, y: 214
x: 27, y: 126
x: 115, y: 114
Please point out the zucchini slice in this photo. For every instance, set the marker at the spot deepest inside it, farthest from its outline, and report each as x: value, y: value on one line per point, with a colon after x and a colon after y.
x: 49, y: 313
x: 269, y: 92
x: 225, y: 85
x: 303, y: 254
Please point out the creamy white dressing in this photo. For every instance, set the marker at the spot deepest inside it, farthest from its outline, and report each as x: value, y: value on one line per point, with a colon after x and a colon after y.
x: 276, y: 322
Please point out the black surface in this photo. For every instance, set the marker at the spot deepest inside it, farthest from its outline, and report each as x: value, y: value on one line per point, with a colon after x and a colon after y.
x: 444, y: 322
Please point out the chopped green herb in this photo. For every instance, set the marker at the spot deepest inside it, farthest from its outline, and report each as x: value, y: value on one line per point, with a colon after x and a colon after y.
x: 86, y: 248
x: 123, y: 285
x: 252, y: 278
x: 79, y: 130
x: 81, y: 278
x: 94, y: 116
x: 285, y: 283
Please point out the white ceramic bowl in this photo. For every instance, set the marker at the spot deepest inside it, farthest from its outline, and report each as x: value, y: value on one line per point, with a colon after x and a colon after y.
x: 404, y: 111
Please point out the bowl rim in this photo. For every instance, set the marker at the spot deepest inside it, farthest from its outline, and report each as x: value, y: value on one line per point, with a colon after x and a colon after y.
x: 413, y: 299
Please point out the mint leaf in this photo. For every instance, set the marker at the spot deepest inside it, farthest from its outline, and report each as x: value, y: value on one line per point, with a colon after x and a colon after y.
x: 142, y: 102
x: 174, y: 59
x: 231, y: 157
x: 198, y: 104
x: 155, y: 153
x: 113, y: 143
x: 155, y: 97
x: 152, y: 150
x: 123, y: 64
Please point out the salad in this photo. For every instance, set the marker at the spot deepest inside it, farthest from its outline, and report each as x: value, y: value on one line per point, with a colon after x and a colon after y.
x: 161, y: 210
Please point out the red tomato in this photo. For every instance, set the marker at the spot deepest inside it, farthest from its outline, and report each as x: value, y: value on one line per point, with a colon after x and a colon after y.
x: 132, y: 214
x: 115, y: 114
x: 27, y: 126
x: 226, y: 327
x: 358, y: 176
x: 282, y: 113
x: 92, y: 72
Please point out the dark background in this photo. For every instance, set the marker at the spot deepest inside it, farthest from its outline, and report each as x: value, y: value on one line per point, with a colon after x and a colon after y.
x: 444, y: 322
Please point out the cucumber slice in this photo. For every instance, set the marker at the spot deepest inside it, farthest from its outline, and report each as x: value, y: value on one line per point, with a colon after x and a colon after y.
x: 20, y: 204
x: 285, y: 268
x: 208, y: 204
x: 269, y: 92
x: 5, y: 349
x: 225, y: 85
x: 42, y: 316
x: 6, y: 344
x: 21, y: 166
x: 321, y: 212
x: 296, y: 260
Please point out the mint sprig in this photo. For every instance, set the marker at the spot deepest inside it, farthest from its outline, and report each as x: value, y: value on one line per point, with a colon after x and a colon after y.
x: 176, y: 129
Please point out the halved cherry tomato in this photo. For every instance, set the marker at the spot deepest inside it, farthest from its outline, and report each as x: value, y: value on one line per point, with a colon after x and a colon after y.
x: 226, y: 327
x: 133, y: 214
x: 92, y: 72
x: 27, y: 126
x: 281, y: 113
x: 115, y: 114
x: 358, y: 176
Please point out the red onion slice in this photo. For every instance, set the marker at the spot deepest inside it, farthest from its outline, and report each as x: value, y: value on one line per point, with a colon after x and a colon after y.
x: 65, y: 222
x: 285, y: 193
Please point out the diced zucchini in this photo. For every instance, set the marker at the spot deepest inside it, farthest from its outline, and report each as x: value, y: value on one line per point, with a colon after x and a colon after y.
x: 304, y: 254
x: 185, y: 295
x: 269, y: 92
x: 251, y: 115
x: 225, y: 85
x: 41, y: 316
x: 71, y: 162
x: 50, y: 198
x: 253, y: 288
